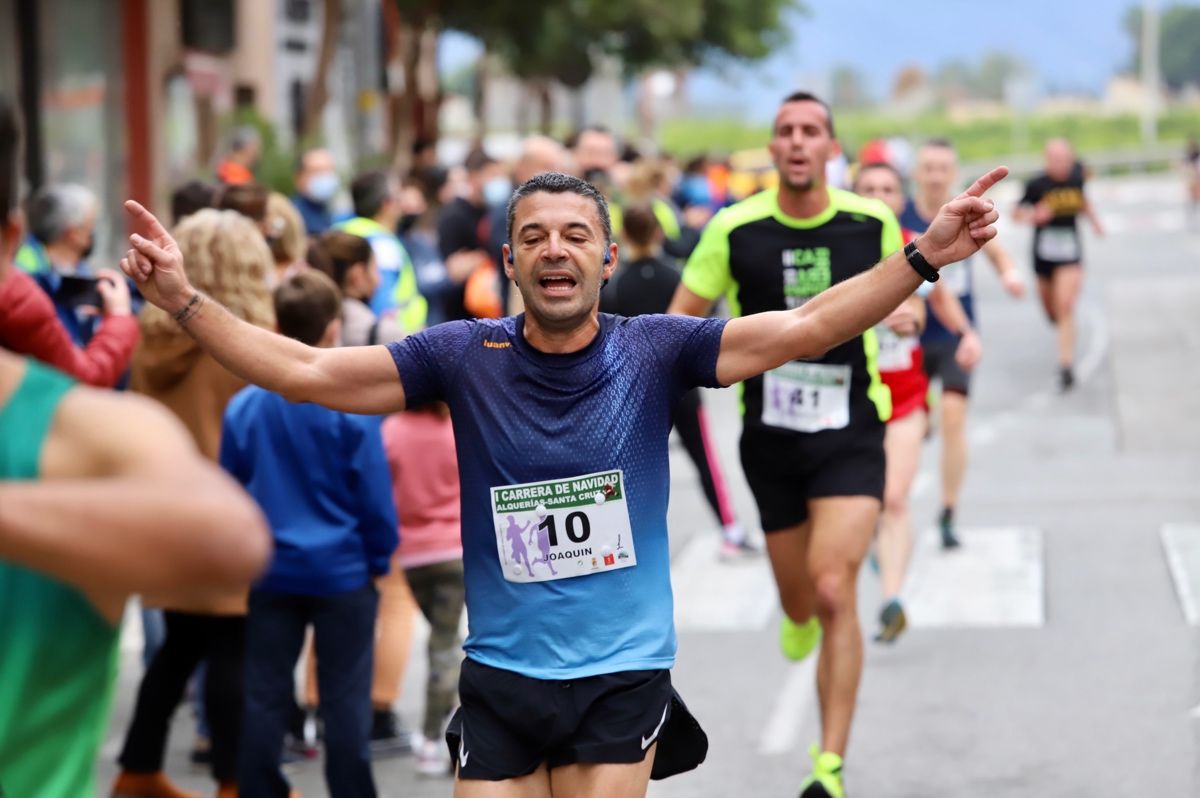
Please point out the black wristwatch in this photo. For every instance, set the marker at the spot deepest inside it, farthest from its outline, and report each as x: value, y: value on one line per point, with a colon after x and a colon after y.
x: 918, y: 262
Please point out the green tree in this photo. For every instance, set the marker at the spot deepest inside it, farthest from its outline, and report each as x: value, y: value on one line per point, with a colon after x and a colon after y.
x: 1179, y: 45
x: 995, y: 70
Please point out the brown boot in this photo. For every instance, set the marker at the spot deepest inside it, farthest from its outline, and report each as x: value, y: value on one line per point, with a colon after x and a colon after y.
x: 147, y: 785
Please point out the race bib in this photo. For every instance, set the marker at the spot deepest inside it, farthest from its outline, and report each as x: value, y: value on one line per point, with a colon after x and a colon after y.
x: 563, y: 528
x: 807, y: 397
x: 1058, y: 244
x: 895, y: 351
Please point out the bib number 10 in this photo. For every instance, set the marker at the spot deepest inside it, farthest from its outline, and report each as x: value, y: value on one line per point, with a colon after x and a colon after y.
x: 577, y: 526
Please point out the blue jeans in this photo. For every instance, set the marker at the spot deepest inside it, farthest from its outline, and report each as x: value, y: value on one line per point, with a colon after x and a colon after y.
x: 344, y: 636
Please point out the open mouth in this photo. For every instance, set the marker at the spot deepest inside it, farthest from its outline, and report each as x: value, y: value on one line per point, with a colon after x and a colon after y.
x: 557, y: 283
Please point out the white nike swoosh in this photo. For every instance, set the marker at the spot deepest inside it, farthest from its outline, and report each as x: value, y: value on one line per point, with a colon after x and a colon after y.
x: 654, y: 734
x: 462, y: 755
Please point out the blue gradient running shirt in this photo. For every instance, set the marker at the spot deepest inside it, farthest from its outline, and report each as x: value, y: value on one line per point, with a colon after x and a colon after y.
x: 564, y: 472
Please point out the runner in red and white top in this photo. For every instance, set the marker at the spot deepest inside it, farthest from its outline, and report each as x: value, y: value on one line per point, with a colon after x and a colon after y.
x: 902, y: 370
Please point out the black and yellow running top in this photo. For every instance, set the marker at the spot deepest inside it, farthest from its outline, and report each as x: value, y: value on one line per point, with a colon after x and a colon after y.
x: 761, y: 259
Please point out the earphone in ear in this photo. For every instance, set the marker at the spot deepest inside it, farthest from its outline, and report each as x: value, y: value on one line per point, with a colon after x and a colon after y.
x: 509, y: 259
x: 607, y: 257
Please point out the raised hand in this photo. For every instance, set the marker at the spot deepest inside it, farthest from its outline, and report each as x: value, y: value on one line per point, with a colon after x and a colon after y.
x: 962, y: 225
x: 155, y: 263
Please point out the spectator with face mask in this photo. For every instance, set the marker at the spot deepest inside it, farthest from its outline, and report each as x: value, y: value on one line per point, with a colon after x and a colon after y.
x: 317, y: 183
x: 463, y: 233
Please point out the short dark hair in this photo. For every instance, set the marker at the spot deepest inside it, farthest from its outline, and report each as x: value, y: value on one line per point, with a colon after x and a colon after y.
x: 639, y: 224
x: 874, y: 165
x: 305, y: 304
x: 809, y: 97
x: 369, y: 191
x: 558, y: 183
x: 477, y: 160
x: 939, y: 143
x: 10, y: 156
x: 248, y: 199
x: 339, y: 251
x: 192, y: 196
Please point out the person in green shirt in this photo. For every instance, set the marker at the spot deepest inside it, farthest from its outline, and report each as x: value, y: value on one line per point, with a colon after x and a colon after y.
x: 102, y: 495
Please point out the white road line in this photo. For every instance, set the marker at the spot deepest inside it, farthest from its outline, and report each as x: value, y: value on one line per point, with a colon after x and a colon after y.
x: 1176, y: 540
x: 997, y: 579
x: 791, y: 709
x: 711, y: 596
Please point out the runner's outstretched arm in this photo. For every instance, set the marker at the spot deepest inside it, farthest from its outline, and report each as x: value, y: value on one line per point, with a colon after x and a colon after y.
x: 360, y: 379
x: 753, y: 344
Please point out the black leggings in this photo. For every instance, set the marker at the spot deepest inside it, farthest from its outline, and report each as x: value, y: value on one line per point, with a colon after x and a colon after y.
x: 692, y: 427
x: 190, y: 639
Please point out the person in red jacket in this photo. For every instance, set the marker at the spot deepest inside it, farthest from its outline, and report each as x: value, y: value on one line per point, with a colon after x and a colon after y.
x: 30, y: 325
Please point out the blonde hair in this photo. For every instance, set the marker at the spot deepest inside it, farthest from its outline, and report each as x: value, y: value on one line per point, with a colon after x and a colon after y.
x: 225, y: 257
x: 286, y: 228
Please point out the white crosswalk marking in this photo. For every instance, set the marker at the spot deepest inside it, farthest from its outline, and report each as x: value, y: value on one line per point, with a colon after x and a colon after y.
x: 995, y: 579
x: 711, y: 596
x: 1181, y: 545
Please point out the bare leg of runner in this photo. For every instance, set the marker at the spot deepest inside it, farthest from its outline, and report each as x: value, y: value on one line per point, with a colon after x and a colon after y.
x: 954, y: 446
x: 1066, y: 283
x: 903, y: 446
x: 788, y: 550
x: 1046, y: 294
x: 535, y: 785
x: 603, y: 781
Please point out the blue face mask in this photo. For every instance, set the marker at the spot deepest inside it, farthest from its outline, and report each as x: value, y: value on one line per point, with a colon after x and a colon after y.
x: 497, y: 191
x: 323, y: 187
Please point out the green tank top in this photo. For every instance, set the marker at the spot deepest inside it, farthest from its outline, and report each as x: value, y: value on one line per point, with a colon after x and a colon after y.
x: 58, y: 655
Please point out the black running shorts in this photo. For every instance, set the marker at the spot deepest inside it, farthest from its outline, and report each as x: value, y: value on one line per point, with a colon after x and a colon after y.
x: 787, y: 469
x: 940, y: 364
x: 509, y: 724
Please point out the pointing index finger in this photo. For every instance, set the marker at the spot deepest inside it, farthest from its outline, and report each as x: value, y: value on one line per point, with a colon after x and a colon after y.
x: 149, y: 223
x: 981, y: 185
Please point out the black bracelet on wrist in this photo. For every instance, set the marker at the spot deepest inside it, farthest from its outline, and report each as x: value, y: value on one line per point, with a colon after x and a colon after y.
x: 919, y: 264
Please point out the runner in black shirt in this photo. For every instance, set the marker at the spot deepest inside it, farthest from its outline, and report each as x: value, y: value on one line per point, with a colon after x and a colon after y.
x: 1053, y: 201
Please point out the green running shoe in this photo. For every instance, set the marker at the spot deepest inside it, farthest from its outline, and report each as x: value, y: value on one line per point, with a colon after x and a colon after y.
x: 798, y: 640
x: 826, y: 779
x: 892, y: 621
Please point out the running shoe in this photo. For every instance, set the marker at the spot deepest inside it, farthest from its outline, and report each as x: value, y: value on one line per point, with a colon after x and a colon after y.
x: 388, y: 735
x: 946, y: 527
x: 798, y: 640
x: 433, y: 758
x: 892, y: 621
x: 1066, y: 379
x: 734, y: 551
x: 825, y: 781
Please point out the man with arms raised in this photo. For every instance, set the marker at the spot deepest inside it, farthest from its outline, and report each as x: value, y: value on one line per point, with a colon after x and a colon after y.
x: 561, y: 418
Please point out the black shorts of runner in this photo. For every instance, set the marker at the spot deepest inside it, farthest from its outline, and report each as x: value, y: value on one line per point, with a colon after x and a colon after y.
x: 787, y: 469
x: 1045, y: 268
x: 509, y: 724
x: 940, y: 364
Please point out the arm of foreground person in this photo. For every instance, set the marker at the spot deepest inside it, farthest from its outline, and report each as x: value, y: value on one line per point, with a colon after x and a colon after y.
x: 125, y: 504
x: 351, y: 379
x: 753, y: 344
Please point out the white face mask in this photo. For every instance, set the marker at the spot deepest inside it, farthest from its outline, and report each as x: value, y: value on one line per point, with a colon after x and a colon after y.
x: 322, y: 187
x: 497, y: 191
